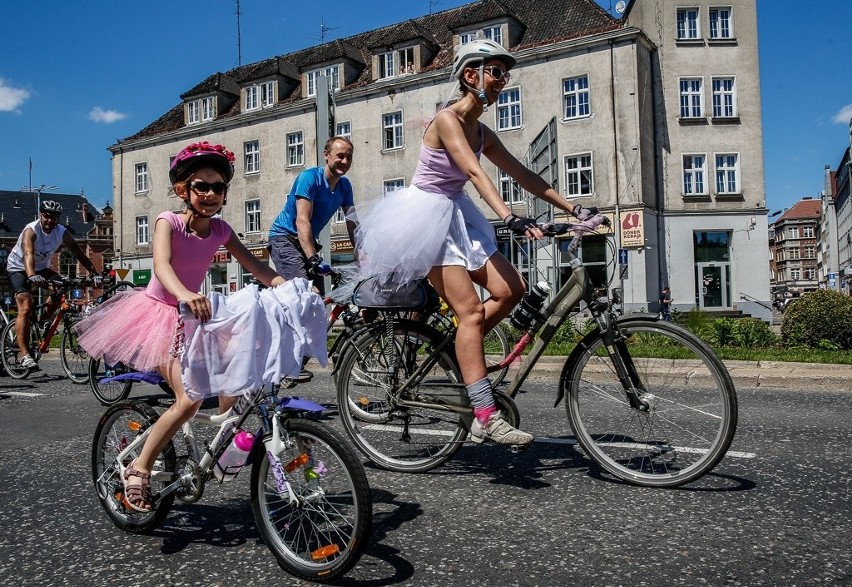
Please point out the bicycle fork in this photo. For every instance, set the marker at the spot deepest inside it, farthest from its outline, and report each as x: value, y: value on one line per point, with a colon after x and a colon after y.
x: 625, y: 369
x: 275, y: 444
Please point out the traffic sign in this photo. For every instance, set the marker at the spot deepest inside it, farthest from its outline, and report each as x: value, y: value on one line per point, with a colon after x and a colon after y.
x: 122, y: 273
x: 622, y: 256
x: 622, y: 271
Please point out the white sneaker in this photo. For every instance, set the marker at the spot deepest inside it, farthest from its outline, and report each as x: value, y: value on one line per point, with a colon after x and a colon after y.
x: 498, y: 430
x: 29, y: 363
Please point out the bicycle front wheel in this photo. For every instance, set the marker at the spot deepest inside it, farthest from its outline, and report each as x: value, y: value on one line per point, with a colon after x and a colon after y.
x: 318, y: 526
x: 75, y: 361
x: 411, y: 431
x: 10, y: 354
x: 686, y: 415
x: 108, y: 393
x: 117, y: 429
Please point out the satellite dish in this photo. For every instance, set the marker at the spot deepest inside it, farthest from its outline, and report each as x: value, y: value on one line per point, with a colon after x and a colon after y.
x: 620, y: 6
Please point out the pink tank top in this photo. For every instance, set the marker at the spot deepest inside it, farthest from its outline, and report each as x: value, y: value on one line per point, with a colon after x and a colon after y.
x: 191, y: 255
x: 436, y: 171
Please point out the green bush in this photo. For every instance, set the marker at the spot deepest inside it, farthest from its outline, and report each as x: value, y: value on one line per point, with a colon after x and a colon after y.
x: 753, y: 333
x: 819, y: 316
x: 700, y: 324
x: 723, y: 329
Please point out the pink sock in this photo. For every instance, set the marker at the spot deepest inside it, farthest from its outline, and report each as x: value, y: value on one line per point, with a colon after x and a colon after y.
x: 483, y: 414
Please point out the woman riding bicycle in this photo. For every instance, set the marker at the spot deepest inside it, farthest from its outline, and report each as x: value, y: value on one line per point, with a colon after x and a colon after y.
x: 141, y: 328
x: 457, y: 249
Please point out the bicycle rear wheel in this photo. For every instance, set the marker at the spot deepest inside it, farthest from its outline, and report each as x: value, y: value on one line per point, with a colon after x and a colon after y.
x: 75, y: 361
x: 497, y: 347
x: 412, y: 433
x: 10, y: 354
x: 319, y: 528
x: 689, y: 413
x: 117, y: 429
x: 108, y: 393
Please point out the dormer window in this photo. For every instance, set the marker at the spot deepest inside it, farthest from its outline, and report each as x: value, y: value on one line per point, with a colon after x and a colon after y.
x: 396, y: 63
x: 208, y: 109
x: 332, y: 71
x: 201, y: 110
x: 495, y: 33
x: 259, y: 96
x: 192, y: 112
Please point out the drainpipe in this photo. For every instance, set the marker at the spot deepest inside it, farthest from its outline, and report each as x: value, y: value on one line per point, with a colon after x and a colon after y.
x: 617, y: 223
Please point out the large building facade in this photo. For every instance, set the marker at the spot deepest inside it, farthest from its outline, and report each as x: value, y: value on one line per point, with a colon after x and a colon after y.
x: 653, y: 117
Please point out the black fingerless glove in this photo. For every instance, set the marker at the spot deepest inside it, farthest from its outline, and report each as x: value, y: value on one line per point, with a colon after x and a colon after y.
x: 581, y: 213
x: 518, y: 224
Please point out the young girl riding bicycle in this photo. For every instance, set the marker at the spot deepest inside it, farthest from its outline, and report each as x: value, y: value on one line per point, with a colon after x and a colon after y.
x: 141, y: 328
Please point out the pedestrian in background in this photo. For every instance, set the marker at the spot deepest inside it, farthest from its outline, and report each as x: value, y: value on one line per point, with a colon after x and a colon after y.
x: 665, y: 304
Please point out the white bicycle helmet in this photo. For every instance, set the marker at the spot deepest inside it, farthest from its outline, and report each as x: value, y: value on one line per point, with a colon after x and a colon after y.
x: 51, y: 207
x: 481, y: 50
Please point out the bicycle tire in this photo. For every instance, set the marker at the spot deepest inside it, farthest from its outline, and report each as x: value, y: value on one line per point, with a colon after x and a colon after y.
x: 497, y: 346
x: 75, y: 361
x: 117, y: 428
x: 323, y: 534
x: 691, y: 417
x: 412, y: 439
x: 10, y: 354
x: 108, y: 393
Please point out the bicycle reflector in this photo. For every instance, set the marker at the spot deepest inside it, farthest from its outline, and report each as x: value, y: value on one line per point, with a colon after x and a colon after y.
x: 76, y: 293
x: 134, y: 426
x: 324, y: 552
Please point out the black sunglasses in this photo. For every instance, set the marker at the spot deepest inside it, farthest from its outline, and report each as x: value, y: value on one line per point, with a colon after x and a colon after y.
x: 219, y: 188
x: 497, y: 73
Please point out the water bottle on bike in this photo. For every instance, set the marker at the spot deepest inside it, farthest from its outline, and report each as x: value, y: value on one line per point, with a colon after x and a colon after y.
x: 234, y: 457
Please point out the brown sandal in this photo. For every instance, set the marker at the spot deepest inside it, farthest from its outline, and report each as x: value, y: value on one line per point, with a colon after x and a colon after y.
x: 137, y: 494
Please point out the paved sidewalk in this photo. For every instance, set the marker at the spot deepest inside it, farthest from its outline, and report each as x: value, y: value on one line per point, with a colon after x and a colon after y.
x: 774, y: 374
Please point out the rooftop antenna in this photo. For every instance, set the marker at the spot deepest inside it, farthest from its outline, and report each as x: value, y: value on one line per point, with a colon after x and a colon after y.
x: 323, y: 30
x: 239, y: 38
x: 432, y: 4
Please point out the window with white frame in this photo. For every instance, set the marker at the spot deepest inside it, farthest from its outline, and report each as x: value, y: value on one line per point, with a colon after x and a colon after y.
x: 724, y: 100
x: 694, y: 174
x: 687, y: 24
x: 727, y: 173
x: 141, y: 177
x: 810, y: 273
x: 252, y: 98
x: 339, y: 217
x: 344, y: 129
x: 267, y: 94
x: 509, y: 109
x: 807, y: 232
x: 468, y: 37
x: 793, y: 254
x: 390, y: 185
x: 495, y: 33
x: 810, y: 252
x: 575, y: 96
x: 793, y: 232
x: 795, y: 274
x: 331, y: 71
x: 295, y: 149
x: 387, y: 67
x: 510, y: 190
x: 252, y: 215
x: 251, y: 158
x: 691, y: 99
x: 721, y: 25
x: 405, y: 59
x: 579, y: 177
x: 192, y: 112
x: 142, y: 234
x: 392, y: 127
x: 208, y: 108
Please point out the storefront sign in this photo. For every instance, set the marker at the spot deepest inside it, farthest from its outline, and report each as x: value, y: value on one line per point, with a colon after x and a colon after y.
x: 141, y: 276
x: 342, y: 246
x: 262, y: 253
x: 221, y: 257
x: 632, y: 229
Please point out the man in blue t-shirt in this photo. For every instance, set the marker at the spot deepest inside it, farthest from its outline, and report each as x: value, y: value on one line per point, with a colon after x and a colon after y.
x: 314, y: 198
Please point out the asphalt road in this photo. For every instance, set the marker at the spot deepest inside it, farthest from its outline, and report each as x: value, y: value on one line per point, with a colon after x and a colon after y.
x: 774, y: 512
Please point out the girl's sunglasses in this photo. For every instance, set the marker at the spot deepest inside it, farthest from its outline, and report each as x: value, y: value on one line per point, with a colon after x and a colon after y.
x: 219, y: 188
x: 498, y: 73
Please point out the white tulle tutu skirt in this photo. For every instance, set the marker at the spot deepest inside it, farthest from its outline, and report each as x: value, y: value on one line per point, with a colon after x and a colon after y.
x: 410, y: 231
x: 131, y: 328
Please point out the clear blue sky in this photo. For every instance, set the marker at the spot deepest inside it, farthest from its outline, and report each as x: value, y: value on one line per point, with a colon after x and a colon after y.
x: 77, y: 76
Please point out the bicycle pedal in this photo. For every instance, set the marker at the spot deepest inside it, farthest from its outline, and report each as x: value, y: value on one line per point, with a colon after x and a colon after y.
x: 517, y: 448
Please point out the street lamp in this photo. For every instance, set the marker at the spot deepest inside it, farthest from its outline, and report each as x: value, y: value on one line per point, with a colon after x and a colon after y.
x: 38, y: 190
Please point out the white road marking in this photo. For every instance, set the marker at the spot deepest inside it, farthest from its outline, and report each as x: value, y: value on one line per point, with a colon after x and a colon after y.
x: 20, y: 393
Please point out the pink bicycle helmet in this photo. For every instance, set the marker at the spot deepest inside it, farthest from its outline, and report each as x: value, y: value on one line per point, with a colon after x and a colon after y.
x: 197, y: 155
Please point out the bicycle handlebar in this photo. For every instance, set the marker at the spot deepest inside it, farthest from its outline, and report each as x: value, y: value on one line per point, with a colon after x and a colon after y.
x: 579, y: 228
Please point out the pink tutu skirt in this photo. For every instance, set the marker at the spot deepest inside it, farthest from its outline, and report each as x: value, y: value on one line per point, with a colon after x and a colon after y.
x: 130, y: 328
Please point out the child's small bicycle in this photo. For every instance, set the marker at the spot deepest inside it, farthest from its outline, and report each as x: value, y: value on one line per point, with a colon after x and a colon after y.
x: 309, y: 492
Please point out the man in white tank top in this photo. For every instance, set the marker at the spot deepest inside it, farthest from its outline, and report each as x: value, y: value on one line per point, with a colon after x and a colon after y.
x: 29, y: 264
